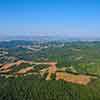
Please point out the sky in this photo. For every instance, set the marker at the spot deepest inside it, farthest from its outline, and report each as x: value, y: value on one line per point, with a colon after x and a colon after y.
x: 73, y: 18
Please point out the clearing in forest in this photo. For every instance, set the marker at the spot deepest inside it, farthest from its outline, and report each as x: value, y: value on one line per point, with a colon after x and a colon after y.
x: 79, y: 79
x: 52, y: 69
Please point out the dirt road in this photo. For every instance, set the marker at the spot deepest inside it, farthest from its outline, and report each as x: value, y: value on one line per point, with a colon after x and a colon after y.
x: 52, y: 70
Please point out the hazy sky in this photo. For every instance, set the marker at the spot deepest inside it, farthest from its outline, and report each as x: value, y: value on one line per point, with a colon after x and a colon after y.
x: 50, y: 17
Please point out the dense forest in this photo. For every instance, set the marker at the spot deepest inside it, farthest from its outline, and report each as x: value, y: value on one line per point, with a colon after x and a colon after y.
x: 36, y: 89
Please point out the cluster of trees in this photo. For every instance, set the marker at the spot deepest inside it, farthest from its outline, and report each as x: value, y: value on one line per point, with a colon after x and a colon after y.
x: 37, y: 68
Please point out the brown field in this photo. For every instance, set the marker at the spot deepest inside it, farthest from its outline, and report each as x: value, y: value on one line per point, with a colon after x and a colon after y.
x: 7, y: 66
x: 24, y: 70
x: 18, y: 63
x: 79, y: 79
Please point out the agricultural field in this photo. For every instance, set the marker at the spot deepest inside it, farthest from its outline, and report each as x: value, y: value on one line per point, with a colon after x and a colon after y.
x: 49, y: 70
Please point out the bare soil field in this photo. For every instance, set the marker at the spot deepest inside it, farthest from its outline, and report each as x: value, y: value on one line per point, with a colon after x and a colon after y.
x: 18, y: 63
x: 79, y: 79
x: 7, y: 66
x: 24, y: 70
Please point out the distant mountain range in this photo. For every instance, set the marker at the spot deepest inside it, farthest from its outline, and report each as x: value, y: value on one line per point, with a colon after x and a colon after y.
x: 48, y: 38
x: 36, y: 38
